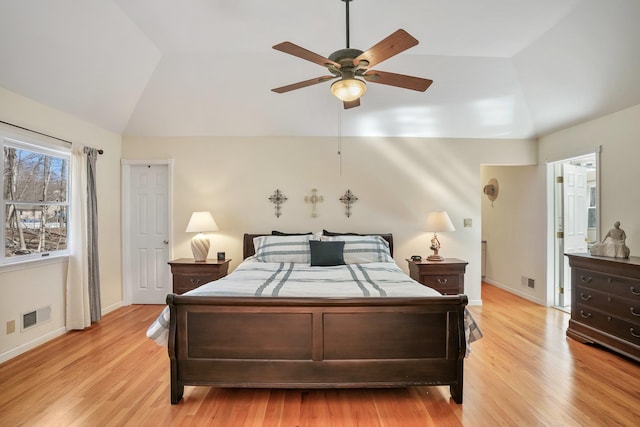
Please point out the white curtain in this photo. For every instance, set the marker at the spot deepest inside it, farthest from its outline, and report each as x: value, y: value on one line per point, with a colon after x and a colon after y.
x: 78, y: 314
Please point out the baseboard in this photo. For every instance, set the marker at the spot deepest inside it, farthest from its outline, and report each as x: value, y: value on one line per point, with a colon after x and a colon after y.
x: 47, y: 337
x: 107, y: 310
x: 31, y: 344
x: 514, y: 291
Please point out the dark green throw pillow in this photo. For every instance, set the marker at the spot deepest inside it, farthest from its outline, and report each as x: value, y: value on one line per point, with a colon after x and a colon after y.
x: 326, y: 254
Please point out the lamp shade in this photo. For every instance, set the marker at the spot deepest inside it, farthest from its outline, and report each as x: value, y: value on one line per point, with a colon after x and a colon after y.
x: 201, y: 221
x: 348, y: 89
x: 439, y: 221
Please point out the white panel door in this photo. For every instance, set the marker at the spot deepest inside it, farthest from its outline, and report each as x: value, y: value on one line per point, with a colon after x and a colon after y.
x: 150, y: 273
x: 575, y: 220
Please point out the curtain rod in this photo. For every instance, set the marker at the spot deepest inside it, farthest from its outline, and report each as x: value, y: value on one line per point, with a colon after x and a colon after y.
x: 43, y: 134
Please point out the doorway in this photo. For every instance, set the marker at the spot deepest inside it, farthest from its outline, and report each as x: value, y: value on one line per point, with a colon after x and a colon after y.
x: 574, y: 184
x: 146, y: 230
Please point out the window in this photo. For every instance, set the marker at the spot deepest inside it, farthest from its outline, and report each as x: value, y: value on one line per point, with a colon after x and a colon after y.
x: 592, y: 205
x: 35, y: 200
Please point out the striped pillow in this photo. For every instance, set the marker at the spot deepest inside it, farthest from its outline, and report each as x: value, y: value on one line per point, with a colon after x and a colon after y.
x: 363, y: 249
x: 283, y: 248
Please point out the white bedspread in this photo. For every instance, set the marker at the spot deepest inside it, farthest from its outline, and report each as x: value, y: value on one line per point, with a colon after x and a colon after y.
x: 261, y: 279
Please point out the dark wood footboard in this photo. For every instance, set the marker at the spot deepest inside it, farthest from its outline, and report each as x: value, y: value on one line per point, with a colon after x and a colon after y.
x: 316, y: 342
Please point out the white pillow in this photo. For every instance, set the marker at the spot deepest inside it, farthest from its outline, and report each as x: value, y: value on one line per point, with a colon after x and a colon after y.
x: 363, y: 249
x: 283, y: 248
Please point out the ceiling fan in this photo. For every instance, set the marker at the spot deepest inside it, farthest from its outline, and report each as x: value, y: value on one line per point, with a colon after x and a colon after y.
x: 348, y: 64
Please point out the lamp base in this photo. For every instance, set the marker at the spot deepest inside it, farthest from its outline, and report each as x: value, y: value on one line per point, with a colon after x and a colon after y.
x: 435, y: 258
x: 200, y: 247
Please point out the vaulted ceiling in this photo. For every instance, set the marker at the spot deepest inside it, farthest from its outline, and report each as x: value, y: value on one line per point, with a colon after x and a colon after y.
x: 501, y: 68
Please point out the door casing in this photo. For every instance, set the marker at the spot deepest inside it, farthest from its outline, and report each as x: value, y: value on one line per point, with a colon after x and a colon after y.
x: 555, y: 246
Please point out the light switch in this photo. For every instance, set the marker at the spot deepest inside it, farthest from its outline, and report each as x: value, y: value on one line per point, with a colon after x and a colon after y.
x: 467, y: 222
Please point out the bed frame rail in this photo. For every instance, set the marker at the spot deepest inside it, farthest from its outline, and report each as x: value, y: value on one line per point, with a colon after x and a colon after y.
x: 316, y: 343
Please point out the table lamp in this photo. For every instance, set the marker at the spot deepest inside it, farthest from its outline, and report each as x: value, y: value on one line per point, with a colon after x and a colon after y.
x: 199, y: 223
x: 438, y: 221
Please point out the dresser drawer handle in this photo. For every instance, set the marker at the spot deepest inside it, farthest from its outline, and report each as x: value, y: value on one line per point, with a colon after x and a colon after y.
x: 442, y: 281
x: 633, y: 290
x: 585, y: 279
x: 585, y: 315
x: 194, y: 281
x: 584, y: 297
x: 633, y: 332
x: 634, y: 312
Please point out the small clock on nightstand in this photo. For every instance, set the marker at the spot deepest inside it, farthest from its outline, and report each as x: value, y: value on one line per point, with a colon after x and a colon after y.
x: 447, y: 276
x: 189, y: 274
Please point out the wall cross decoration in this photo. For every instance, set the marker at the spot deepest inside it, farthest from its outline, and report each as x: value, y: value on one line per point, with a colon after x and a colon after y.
x: 277, y: 198
x: 348, y: 199
x: 313, y: 199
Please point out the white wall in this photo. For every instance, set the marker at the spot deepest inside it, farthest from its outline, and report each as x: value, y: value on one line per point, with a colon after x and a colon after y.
x: 514, y: 230
x: 518, y: 219
x: 38, y: 284
x: 397, y: 182
x: 619, y: 136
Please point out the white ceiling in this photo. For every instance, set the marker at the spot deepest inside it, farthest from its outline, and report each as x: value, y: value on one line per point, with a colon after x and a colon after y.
x: 501, y: 68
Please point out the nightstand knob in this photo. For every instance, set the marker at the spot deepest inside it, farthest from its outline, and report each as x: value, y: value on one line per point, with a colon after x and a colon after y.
x: 443, y: 281
x: 195, y: 281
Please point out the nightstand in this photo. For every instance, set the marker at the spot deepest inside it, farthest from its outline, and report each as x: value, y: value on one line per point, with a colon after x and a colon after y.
x: 189, y: 274
x: 447, y: 277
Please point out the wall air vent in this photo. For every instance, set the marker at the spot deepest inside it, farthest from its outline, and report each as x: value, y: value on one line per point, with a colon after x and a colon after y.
x: 527, y: 282
x: 36, y: 317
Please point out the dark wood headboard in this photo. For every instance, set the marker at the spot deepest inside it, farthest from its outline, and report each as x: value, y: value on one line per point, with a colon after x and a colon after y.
x: 248, y: 249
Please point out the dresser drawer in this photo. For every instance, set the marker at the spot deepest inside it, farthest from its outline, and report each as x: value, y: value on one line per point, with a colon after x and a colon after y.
x: 615, y: 285
x: 624, y: 308
x: 620, y: 328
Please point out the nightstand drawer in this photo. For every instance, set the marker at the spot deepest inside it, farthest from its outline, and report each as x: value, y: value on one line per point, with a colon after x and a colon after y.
x: 448, y: 283
x: 447, y: 277
x: 186, y: 282
x: 188, y: 274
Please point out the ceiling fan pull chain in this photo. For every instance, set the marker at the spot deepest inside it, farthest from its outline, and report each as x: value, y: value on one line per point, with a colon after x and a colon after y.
x: 340, y: 140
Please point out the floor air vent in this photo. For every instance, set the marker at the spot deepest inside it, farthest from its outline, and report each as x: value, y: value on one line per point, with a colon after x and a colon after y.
x: 36, y: 317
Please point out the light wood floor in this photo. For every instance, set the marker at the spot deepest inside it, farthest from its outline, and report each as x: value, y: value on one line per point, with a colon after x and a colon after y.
x: 524, y: 372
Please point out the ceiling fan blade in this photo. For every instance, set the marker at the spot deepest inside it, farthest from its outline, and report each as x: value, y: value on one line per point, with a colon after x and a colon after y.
x: 300, y: 52
x: 399, y: 80
x: 351, y: 104
x: 386, y: 48
x: 305, y: 83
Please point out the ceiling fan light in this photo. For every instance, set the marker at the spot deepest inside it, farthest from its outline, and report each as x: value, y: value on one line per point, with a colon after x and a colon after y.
x: 348, y: 89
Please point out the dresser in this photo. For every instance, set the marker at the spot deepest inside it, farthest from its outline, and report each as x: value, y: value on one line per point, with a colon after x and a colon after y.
x: 189, y: 274
x: 605, y: 302
x: 447, y: 277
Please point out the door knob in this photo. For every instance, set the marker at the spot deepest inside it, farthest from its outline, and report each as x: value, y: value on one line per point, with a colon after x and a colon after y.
x: 166, y: 242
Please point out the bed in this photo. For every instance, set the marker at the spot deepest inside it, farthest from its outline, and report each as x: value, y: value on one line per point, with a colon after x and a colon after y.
x: 369, y: 325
